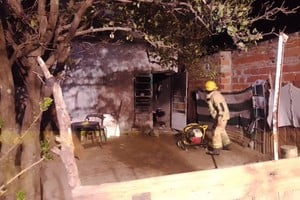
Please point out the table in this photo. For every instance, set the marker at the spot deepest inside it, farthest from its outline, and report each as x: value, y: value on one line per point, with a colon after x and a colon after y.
x: 89, y: 128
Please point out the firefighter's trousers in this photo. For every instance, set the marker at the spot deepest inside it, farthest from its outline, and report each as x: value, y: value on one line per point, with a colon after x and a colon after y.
x: 220, y: 137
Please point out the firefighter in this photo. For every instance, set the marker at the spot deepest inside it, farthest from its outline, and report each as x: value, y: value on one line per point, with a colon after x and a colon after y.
x: 220, y: 113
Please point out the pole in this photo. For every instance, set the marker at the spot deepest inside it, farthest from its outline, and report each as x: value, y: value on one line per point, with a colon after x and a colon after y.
x: 67, y: 147
x: 280, y: 53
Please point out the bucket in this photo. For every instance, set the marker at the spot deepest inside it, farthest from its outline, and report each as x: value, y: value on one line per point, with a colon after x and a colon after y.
x: 288, y: 151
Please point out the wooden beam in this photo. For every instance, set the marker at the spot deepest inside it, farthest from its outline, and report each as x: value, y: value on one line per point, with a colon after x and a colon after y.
x: 67, y: 147
x: 278, y: 179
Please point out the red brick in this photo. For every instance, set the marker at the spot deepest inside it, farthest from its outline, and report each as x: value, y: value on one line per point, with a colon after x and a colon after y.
x: 236, y: 72
x: 252, y: 79
x: 242, y: 79
x: 291, y: 68
x: 240, y: 87
x: 289, y: 52
x: 234, y: 79
x: 226, y: 88
x: 251, y: 71
x: 226, y: 74
x: 265, y: 70
x: 290, y: 77
x: 252, y: 58
x: 225, y: 80
x: 293, y: 41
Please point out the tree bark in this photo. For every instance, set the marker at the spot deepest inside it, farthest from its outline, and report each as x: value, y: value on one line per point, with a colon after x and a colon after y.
x: 31, y: 152
x: 8, y: 131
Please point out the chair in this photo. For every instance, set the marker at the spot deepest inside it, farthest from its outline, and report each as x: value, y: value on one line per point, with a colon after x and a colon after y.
x: 93, y: 117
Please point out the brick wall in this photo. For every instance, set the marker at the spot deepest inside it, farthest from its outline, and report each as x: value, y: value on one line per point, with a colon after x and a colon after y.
x: 259, y: 62
x: 240, y: 69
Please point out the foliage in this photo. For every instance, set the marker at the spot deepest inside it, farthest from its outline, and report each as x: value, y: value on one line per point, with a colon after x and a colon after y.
x: 1, y: 122
x: 174, y: 29
x: 187, y: 29
x: 44, y: 105
x: 20, y: 195
x: 45, y: 148
x: 207, y: 69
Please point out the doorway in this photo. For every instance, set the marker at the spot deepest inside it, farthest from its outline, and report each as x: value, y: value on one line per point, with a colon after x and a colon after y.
x: 179, y: 100
x: 161, y: 100
x: 166, y: 105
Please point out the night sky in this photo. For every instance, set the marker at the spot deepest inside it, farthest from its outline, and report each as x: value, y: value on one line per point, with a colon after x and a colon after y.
x: 287, y: 23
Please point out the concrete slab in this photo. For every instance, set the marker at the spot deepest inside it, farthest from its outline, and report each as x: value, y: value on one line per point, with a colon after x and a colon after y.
x: 137, y: 156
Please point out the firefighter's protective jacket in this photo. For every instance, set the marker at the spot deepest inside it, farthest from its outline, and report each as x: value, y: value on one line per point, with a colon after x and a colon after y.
x: 217, y: 105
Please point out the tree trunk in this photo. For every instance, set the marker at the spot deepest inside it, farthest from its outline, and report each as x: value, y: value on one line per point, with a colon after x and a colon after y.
x: 31, y: 144
x: 7, y: 113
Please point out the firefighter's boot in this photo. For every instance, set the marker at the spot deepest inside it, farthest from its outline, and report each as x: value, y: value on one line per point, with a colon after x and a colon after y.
x: 214, y: 152
x: 227, y: 147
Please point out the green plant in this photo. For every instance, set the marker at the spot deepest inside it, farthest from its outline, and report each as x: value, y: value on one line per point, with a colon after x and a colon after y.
x: 1, y: 122
x: 45, y: 148
x: 20, y: 195
x: 207, y: 69
x: 44, y: 105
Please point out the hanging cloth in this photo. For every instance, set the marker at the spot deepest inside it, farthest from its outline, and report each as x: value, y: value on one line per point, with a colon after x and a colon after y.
x: 288, y: 109
x: 295, y: 99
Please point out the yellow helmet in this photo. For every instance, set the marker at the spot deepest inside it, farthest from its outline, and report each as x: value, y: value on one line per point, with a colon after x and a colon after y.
x: 210, y: 86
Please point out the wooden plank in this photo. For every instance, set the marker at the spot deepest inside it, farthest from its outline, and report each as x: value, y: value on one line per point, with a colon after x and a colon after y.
x: 236, y: 135
x: 289, y: 195
x: 279, y: 178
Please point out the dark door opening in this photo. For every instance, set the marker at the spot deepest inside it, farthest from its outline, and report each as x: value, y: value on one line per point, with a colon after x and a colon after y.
x: 161, y: 100
x: 179, y: 101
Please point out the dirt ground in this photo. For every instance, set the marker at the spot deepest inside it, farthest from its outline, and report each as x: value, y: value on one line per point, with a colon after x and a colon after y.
x: 137, y: 156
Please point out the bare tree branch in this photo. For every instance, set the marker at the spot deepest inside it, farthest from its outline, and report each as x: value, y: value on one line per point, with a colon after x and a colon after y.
x: 205, y: 25
x: 54, y: 11
x: 41, y: 8
x: 42, y: 28
x: 3, y: 187
x: 269, y: 13
x: 77, y: 18
x: 94, y: 30
x: 16, y: 7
